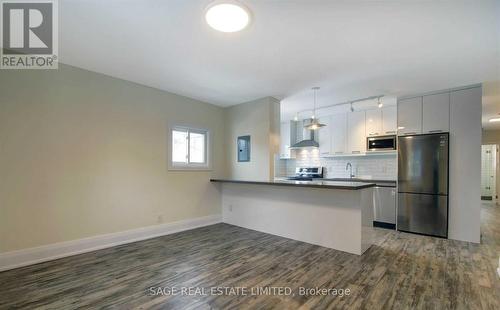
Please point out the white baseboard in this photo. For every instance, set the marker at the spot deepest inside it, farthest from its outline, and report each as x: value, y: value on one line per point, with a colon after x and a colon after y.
x: 25, y: 257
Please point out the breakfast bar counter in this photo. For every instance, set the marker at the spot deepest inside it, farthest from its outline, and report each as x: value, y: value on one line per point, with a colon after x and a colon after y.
x: 333, y: 214
x: 315, y: 184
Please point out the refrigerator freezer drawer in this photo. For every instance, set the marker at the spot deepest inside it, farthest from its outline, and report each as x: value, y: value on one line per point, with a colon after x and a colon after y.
x: 423, y: 214
x: 384, y: 204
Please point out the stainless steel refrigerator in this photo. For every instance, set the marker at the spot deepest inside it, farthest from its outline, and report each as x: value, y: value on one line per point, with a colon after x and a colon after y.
x: 423, y: 184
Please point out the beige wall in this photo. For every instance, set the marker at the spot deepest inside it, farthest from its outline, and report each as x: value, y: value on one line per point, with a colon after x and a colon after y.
x: 493, y: 137
x: 260, y: 120
x: 83, y: 154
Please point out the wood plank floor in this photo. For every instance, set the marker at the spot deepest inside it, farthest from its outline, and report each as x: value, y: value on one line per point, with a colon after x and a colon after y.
x: 402, y: 271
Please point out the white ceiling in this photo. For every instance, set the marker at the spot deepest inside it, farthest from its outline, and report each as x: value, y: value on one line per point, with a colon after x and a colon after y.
x: 350, y: 48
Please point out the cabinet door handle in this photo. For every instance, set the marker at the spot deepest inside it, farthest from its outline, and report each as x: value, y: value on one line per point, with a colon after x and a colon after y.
x: 373, y: 134
x: 356, y: 152
x: 392, y: 131
x: 339, y: 152
x: 437, y: 130
x: 410, y: 133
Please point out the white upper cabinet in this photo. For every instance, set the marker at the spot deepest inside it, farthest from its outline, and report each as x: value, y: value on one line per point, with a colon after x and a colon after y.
x: 356, y: 132
x: 436, y: 113
x: 285, y: 139
x: 373, y: 122
x: 410, y: 116
x: 389, y: 120
x: 338, y: 130
x: 325, y: 136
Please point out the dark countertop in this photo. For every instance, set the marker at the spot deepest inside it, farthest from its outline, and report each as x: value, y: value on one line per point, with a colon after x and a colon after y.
x: 313, y: 184
x: 385, y: 183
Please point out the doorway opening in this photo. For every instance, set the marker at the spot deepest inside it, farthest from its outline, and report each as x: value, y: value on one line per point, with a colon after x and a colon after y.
x: 488, y: 171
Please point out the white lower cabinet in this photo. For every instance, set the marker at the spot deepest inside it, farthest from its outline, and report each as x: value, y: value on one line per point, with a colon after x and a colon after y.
x: 384, y: 204
x: 356, y: 132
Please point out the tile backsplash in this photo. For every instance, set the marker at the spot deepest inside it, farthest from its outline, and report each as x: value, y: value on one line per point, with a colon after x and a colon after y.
x: 383, y: 167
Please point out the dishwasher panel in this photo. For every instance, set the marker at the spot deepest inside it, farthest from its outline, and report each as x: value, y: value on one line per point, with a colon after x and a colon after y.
x: 384, y: 205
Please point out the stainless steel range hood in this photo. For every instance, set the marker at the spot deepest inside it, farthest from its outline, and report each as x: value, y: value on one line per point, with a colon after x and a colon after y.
x: 309, y: 137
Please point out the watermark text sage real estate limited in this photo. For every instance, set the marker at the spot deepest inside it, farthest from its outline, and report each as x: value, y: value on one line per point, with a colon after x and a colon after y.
x: 246, y: 291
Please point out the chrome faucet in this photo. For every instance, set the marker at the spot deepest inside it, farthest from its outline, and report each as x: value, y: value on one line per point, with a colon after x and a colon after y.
x: 349, y: 165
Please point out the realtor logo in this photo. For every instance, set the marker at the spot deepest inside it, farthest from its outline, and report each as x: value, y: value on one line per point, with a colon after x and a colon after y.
x: 29, y: 34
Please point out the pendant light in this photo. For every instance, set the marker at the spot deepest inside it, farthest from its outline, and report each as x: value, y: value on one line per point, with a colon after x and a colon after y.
x: 380, y: 104
x: 315, y: 124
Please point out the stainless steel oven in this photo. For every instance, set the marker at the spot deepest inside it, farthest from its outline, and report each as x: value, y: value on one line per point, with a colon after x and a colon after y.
x: 381, y: 143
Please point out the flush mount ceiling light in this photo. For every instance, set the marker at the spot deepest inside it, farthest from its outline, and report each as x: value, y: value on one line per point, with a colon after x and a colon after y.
x: 315, y: 124
x: 494, y: 120
x: 227, y: 16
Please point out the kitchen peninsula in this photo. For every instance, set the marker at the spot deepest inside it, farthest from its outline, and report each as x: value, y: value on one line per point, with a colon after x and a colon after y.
x: 332, y: 214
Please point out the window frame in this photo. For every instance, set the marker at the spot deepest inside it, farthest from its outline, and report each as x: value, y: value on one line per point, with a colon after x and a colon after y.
x: 188, y: 165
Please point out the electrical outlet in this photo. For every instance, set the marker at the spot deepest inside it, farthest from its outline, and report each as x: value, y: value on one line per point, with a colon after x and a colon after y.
x: 230, y: 208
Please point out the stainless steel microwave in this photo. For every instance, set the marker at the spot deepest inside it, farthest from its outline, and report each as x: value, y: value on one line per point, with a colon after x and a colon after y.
x: 381, y: 143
